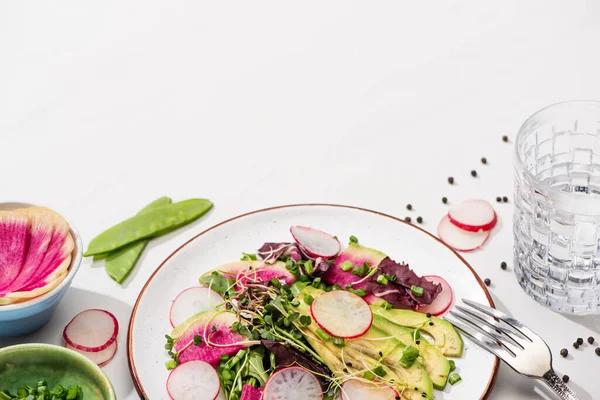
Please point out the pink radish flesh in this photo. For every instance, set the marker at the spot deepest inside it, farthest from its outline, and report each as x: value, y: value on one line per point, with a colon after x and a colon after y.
x: 192, y: 301
x: 443, y: 301
x: 92, y: 330
x: 333, y: 310
x: 99, y: 358
x: 473, y: 215
x: 460, y: 239
x: 293, y: 383
x: 314, y: 242
x: 193, y: 380
x: 355, y: 389
x: 14, y: 239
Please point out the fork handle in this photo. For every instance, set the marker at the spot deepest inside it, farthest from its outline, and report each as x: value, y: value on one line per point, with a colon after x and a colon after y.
x: 559, y: 387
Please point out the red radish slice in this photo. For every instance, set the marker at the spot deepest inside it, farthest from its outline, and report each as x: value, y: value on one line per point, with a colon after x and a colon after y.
x: 334, y: 310
x: 293, y: 383
x: 101, y: 357
x: 442, y: 302
x: 473, y: 215
x: 193, y: 380
x: 92, y: 330
x: 460, y: 239
x: 355, y: 389
x: 314, y: 242
x: 192, y: 301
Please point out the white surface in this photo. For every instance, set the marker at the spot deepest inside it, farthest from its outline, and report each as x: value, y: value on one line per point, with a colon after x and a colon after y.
x: 105, y: 106
x: 225, y: 244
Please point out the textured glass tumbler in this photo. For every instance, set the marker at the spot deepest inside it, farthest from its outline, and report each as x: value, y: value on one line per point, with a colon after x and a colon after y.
x: 557, y: 207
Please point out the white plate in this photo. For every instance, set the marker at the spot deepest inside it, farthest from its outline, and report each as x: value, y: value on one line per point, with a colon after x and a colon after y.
x: 225, y: 242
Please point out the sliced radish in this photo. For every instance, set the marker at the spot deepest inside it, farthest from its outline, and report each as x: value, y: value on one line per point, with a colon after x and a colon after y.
x: 473, y: 215
x: 99, y: 358
x: 356, y: 389
x: 192, y: 301
x: 92, y: 330
x: 293, y: 383
x: 314, y: 242
x: 221, y: 395
x: 444, y: 299
x: 342, y: 314
x: 460, y: 239
x: 193, y: 380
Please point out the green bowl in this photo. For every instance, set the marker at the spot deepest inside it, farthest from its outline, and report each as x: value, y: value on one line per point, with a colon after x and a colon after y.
x: 29, y: 363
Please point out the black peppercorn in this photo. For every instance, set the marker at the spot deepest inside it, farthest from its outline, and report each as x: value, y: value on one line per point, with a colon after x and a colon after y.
x: 483, y: 160
x: 505, y: 138
x: 473, y: 173
x: 591, y: 340
x: 597, y: 351
x: 346, y: 370
x: 565, y: 378
x: 408, y: 219
x: 505, y: 199
x: 503, y: 265
x: 418, y: 342
x: 444, y: 200
x: 431, y: 324
x: 580, y: 340
x: 420, y: 220
x: 576, y: 345
x: 428, y: 315
x: 409, y: 206
x: 487, y: 281
x: 450, y: 180
x: 499, y: 199
x: 564, y: 352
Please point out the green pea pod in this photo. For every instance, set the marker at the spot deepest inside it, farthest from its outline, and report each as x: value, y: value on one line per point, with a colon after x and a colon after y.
x: 148, y: 224
x: 119, y: 263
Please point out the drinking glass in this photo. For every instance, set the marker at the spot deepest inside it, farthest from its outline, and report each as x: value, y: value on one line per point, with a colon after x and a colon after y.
x: 557, y: 207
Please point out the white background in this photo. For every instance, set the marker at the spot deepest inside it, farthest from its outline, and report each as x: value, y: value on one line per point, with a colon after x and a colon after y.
x: 105, y: 106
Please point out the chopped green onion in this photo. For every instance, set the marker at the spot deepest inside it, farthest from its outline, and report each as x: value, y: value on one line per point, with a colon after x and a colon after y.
x: 409, y: 356
x: 382, y: 280
x: 379, y: 371
x: 316, y: 282
x: 353, y: 239
x: 454, y: 378
x: 417, y: 291
x: 359, y: 270
x: 346, y: 266
x: 197, y: 340
x: 358, y: 292
x: 323, y: 335
x: 295, y: 303
x: 275, y: 283
x: 308, y: 266
x: 308, y: 299
x: 339, y: 342
x: 171, y: 364
x: 452, y: 365
x: 305, y: 320
x: 368, y: 375
x: 386, y: 305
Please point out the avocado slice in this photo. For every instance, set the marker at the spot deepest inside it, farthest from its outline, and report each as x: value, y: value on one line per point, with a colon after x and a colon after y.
x: 446, y: 338
x: 436, y: 365
x: 365, y: 351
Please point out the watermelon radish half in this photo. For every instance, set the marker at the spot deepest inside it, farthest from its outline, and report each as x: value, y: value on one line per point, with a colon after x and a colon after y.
x: 14, y: 240
x: 251, y: 393
x: 473, y: 215
x: 292, y: 383
x: 213, y: 327
x: 253, y: 271
x: 18, y: 297
x: 442, y: 302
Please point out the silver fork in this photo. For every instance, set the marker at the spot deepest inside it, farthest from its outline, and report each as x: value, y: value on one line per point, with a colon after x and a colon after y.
x: 511, y: 341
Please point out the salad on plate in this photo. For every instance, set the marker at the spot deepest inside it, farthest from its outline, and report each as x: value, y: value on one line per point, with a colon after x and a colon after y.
x: 308, y: 319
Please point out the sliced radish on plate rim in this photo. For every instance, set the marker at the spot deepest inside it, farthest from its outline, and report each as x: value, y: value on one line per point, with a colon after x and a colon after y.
x: 92, y: 330
x: 192, y: 378
x: 314, y: 242
x: 333, y: 310
x: 460, y: 239
x: 99, y: 358
x: 473, y: 215
x: 295, y: 382
x: 192, y: 301
x: 357, y: 389
x: 442, y: 302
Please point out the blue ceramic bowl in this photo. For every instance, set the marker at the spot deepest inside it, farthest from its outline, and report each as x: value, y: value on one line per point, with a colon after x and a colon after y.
x: 27, y: 317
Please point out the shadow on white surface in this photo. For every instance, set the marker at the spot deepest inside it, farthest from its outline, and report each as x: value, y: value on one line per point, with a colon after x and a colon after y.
x: 592, y: 322
x: 75, y: 301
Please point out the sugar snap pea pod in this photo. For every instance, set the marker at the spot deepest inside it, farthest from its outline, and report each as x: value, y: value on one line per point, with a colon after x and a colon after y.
x: 148, y: 224
x: 119, y: 263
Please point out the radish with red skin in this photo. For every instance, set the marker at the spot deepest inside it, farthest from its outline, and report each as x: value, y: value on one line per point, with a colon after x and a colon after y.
x: 460, y: 239
x: 357, y: 389
x: 292, y: 383
x: 442, y: 302
x: 192, y: 301
x: 92, y: 330
x: 315, y: 243
x: 193, y: 380
x: 342, y: 314
x: 99, y: 358
x: 473, y: 215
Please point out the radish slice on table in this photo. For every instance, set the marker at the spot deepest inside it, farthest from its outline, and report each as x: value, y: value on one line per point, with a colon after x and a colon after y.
x: 355, y: 389
x: 342, y: 314
x: 193, y: 380
x: 92, y: 330
x: 473, y: 215
x: 460, y: 239
x: 99, y: 358
x: 293, y: 383
x: 192, y: 301
x: 442, y: 302
x: 314, y: 242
